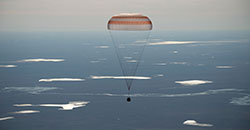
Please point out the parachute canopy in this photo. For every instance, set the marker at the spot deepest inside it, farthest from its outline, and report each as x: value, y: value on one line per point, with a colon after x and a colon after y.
x: 130, y: 22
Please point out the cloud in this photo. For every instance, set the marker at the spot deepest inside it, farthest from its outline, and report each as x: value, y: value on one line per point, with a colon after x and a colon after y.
x: 8, y: 66
x: 41, y: 60
x: 187, y: 42
x: 128, y: 14
x: 193, y: 82
x: 155, y: 39
x: 175, y: 52
x: 102, y: 47
x: 98, y: 60
x: 94, y: 61
x: 221, y: 41
x: 141, y: 41
x: 161, y: 95
x: 119, y: 77
x: 102, y: 59
x: 224, y: 67
x: 32, y: 90
x: 26, y: 112
x: 244, y: 101
x: 22, y: 105
x: 61, y: 79
x: 6, y: 118
x: 178, y: 63
x: 131, y: 61
x: 160, y: 64
x: 69, y: 106
x: 200, y: 64
x: 194, y: 123
x: 158, y: 75
x: 127, y: 57
x: 172, y: 42
x: 208, y: 92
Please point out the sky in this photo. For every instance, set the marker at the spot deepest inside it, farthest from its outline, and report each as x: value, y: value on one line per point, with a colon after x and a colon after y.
x: 92, y: 15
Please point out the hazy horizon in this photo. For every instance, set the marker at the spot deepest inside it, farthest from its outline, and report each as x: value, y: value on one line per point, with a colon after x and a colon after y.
x: 77, y: 15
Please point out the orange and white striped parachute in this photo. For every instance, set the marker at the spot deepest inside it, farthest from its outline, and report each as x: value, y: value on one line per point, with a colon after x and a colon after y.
x: 129, y: 22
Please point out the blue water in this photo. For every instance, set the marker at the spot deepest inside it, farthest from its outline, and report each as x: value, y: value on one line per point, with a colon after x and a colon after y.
x: 155, y: 104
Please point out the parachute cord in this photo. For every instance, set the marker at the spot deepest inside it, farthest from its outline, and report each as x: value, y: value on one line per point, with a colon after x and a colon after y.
x: 139, y: 59
x: 129, y: 93
x: 118, y: 57
x: 147, y: 37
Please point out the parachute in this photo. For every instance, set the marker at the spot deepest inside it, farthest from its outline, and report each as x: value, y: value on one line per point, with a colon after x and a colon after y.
x: 129, y: 33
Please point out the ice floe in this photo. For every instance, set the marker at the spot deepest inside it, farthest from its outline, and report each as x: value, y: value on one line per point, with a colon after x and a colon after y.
x: 195, y: 123
x: 61, y: 79
x: 193, y: 82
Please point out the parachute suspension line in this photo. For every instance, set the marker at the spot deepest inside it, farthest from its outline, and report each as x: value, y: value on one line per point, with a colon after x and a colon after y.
x: 128, y: 93
x: 118, y: 57
x: 139, y: 58
x: 129, y: 84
